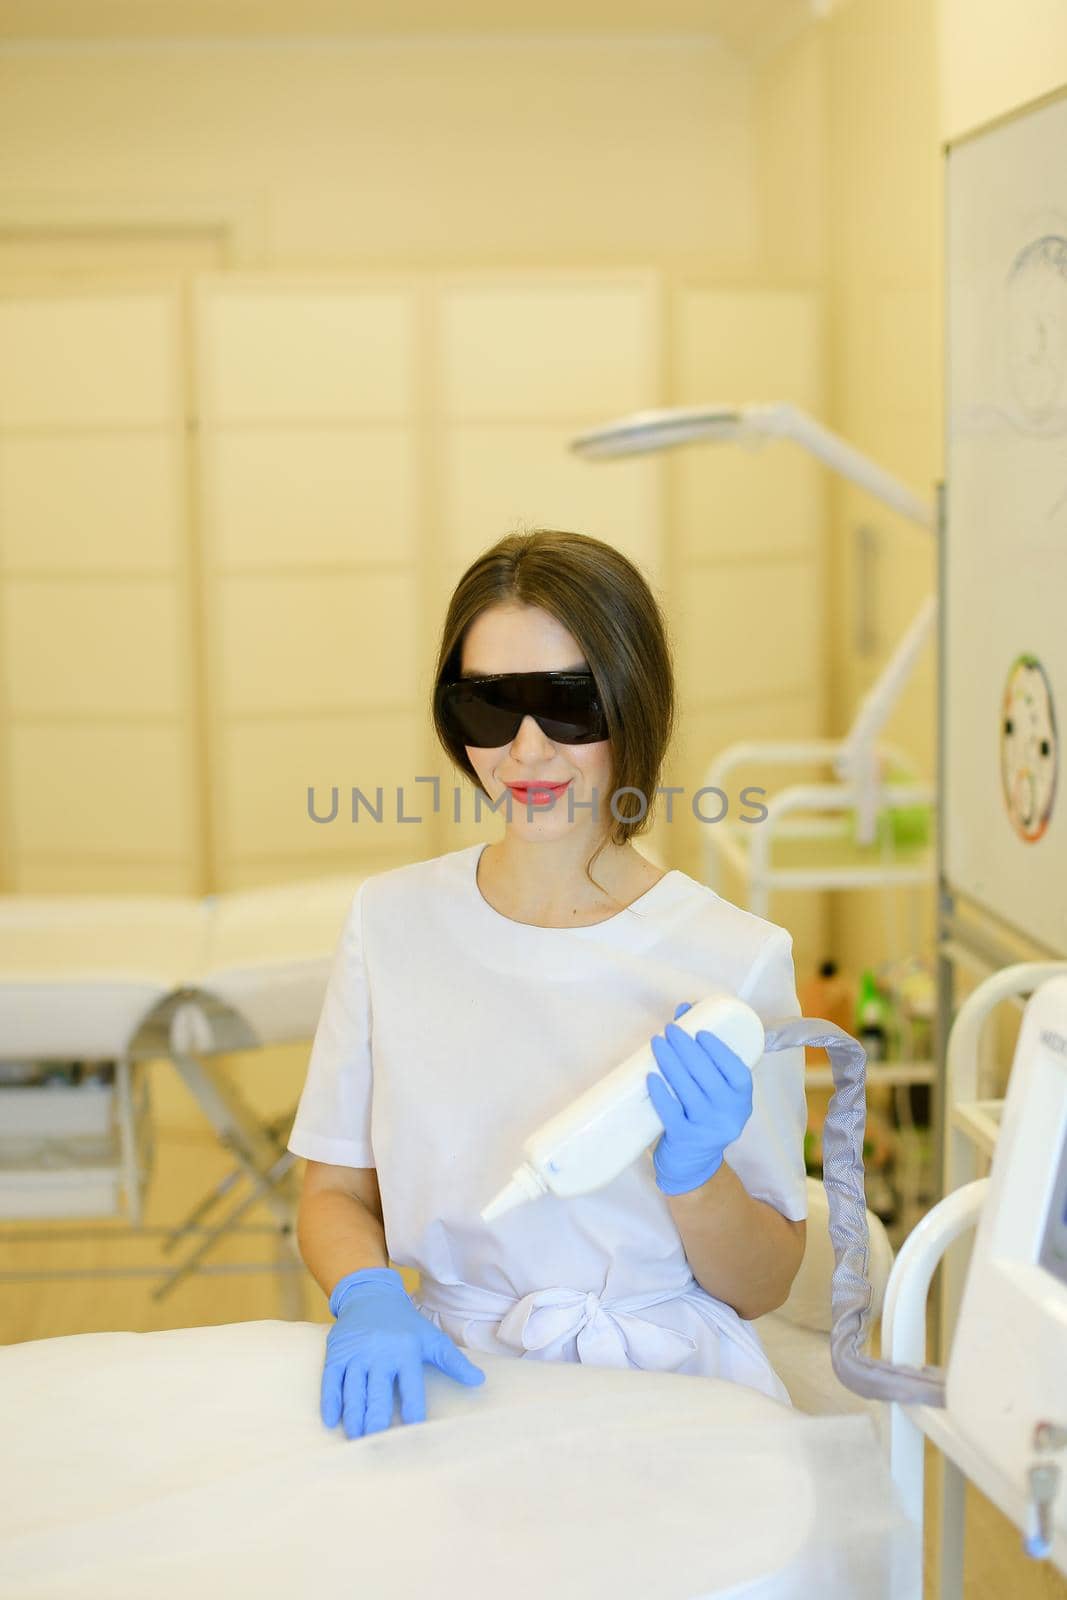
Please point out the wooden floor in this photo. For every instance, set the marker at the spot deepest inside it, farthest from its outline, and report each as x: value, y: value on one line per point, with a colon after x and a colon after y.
x: 188, y: 1162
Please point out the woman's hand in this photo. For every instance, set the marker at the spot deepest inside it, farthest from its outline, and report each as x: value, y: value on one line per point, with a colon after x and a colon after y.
x: 380, y: 1338
x: 711, y: 1103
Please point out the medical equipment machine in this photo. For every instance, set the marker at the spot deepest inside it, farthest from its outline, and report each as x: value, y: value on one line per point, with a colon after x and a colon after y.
x: 1007, y: 1370
x: 594, y: 1138
x: 1004, y: 1423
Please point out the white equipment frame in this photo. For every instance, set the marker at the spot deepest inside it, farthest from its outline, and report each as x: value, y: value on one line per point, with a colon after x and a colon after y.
x: 971, y: 1126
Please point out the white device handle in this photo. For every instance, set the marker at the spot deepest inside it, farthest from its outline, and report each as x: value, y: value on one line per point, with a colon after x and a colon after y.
x: 594, y: 1138
x: 601, y: 1132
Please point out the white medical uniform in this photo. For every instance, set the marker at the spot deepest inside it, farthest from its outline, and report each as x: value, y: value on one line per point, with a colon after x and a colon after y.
x: 449, y: 1032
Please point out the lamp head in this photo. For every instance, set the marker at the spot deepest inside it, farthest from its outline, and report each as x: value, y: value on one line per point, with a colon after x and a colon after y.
x: 645, y: 431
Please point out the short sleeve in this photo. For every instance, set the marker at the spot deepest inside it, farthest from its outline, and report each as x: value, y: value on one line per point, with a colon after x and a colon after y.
x: 332, y: 1121
x: 769, y: 1155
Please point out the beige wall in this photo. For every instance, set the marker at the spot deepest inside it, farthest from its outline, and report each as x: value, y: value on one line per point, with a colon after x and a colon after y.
x: 790, y: 111
x: 848, y: 120
x: 994, y: 56
x: 556, y: 231
x: 384, y: 153
x: 884, y: 288
x: 435, y: 164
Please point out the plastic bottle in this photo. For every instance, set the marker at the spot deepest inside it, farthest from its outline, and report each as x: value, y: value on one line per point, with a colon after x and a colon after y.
x: 830, y: 996
x: 599, y: 1134
x: 872, y: 1030
x: 833, y: 998
x: 871, y: 1024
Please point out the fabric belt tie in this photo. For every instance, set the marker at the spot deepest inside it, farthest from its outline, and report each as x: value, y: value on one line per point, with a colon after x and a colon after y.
x: 607, y: 1334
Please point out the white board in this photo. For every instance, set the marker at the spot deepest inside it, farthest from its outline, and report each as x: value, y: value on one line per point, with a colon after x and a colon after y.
x: 1005, y: 567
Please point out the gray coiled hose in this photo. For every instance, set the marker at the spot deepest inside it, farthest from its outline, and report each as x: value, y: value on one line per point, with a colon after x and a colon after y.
x: 850, y: 1288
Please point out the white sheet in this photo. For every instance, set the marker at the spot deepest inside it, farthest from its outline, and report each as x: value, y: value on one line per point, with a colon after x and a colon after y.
x: 78, y: 972
x: 193, y: 1463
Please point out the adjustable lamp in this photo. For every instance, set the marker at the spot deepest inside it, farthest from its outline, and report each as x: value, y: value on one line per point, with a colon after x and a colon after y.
x: 752, y: 425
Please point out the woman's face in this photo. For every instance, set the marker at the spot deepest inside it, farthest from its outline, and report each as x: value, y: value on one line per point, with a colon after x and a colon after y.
x: 520, y: 638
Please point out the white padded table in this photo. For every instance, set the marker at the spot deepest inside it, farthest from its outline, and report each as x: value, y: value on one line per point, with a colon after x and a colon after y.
x: 79, y: 973
x: 129, y: 978
x: 194, y: 1462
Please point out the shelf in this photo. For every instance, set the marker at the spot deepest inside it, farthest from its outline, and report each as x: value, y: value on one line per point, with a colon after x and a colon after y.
x: 62, y: 1150
x: 79, y: 1176
x: 889, y: 1072
x: 980, y: 1121
x: 824, y: 859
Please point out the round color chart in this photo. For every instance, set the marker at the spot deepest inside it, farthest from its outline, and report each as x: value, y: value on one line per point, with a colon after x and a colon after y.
x: 1029, y: 752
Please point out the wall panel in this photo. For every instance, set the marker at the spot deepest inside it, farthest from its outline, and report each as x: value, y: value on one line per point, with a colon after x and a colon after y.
x: 361, y: 439
x: 747, y: 574
x: 526, y: 362
x: 310, y: 485
x: 98, y: 647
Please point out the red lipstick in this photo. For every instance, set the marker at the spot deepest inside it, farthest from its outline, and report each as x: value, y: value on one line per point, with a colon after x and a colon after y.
x: 537, y: 794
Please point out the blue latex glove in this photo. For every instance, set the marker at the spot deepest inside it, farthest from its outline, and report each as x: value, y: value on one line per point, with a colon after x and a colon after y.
x: 380, y: 1337
x: 711, y: 1103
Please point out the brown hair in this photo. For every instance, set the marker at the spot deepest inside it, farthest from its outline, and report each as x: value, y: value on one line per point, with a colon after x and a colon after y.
x: 605, y: 602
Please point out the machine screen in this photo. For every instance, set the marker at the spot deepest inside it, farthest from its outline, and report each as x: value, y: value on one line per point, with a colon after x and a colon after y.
x: 1054, y: 1244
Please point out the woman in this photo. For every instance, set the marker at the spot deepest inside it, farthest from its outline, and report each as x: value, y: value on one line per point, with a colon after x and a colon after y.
x: 477, y: 993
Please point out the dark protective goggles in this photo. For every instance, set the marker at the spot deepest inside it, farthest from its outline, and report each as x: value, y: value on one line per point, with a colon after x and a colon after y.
x: 487, y: 712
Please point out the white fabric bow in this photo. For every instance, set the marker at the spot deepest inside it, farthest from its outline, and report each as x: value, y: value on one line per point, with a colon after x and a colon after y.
x: 610, y: 1335
x: 607, y: 1336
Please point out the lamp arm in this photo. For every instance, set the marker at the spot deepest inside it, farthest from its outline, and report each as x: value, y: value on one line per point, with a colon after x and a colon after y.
x: 752, y: 424
x: 788, y: 422
x: 882, y: 696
